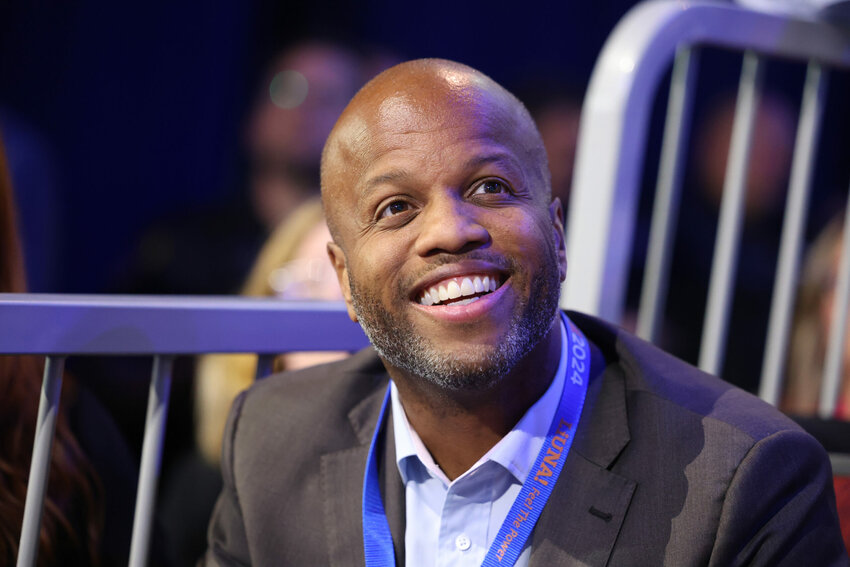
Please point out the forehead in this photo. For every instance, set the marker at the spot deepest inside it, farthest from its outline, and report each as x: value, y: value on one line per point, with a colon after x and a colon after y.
x: 427, y: 105
x: 401, y: 124
x: 450, y: 122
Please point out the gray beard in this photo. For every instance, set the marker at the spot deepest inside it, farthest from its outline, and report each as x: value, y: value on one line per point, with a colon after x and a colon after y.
x: 477, y: 368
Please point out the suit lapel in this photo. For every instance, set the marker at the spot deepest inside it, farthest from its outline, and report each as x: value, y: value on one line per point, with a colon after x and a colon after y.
x: 582, y: 519
x: 342, y: 486
x: 584, y: 514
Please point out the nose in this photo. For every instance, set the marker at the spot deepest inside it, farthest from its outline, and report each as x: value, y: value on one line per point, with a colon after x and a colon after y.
x: 450, y: 225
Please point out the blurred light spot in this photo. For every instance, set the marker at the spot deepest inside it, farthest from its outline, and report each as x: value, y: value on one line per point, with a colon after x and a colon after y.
x: 288, y: 89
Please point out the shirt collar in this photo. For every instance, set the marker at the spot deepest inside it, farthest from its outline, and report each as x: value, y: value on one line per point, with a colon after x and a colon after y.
x: 515, y: 452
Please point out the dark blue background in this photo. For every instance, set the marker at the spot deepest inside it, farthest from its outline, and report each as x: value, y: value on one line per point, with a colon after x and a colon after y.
x: 115, y: 116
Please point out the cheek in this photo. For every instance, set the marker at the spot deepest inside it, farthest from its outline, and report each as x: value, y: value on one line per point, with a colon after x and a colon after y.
x: 378, y: 262
x: 529, y: 236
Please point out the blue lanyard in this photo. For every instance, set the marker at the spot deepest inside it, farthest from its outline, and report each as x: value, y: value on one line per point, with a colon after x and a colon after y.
x: 529, y: 503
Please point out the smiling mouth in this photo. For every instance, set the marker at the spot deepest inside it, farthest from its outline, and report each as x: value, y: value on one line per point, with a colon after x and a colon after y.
x: 460, y: 290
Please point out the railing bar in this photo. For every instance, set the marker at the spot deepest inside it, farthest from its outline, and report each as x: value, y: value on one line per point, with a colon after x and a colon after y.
x: 731, y: 217
x: 48, y: 410
x: 831, y: 382
x: 264, y: 365
x: 796, y: 211
x: 666, y: 207
x: 173, y: 325
x: 151, y: 458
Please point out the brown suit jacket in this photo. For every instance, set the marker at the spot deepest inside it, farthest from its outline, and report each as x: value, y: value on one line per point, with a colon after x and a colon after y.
x: 669, y: 466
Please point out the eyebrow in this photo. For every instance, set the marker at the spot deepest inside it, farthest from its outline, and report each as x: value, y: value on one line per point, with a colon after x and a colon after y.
x: 400, y: 175
x: 497, y: 157
x: 388, y: 177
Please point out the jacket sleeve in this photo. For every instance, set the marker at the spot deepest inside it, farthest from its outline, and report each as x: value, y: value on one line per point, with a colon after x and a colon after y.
x: 227, y: 543
x: 780, y: 507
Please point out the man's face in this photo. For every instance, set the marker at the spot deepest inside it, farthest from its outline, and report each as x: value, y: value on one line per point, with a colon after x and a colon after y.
x: 451, y: 259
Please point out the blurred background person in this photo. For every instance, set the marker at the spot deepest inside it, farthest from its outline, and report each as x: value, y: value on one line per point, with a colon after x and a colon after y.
x: 770, y: 153
x: 767, y: 181
x: 292, y: 265
x: 306, y: 88
x: 813, y: 316
x: 812, y: 324
x: 209, y: 250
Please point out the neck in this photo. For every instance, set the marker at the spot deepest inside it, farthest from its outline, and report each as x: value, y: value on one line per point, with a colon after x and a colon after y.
x: 459, y: 427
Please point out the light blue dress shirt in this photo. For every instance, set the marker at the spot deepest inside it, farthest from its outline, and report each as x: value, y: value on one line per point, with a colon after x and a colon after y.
x: 453, y: 523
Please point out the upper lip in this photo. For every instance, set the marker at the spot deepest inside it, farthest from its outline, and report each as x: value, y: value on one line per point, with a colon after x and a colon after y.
x: 455, y: 270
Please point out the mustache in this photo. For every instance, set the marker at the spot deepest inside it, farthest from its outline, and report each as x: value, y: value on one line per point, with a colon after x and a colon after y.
x: 498, y: 260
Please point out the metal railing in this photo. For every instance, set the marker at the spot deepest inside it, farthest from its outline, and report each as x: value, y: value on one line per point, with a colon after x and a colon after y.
x: 609, y: 168
x: 59, y: 326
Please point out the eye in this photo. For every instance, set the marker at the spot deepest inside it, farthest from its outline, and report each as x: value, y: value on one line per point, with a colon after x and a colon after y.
x: 394, y: 208
x: 491, y: 187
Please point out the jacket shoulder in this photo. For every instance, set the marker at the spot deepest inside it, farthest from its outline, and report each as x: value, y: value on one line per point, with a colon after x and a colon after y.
x: 315, y: 398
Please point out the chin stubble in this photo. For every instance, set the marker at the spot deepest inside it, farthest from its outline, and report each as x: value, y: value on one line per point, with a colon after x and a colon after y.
x: 478, y: 367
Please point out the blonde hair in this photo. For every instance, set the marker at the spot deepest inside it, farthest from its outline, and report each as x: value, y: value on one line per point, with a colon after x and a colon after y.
x: 282, y: 247
x: 220, y: 377
x: 809, y: 334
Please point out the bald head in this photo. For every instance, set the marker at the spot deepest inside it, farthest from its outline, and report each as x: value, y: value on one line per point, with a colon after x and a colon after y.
x: 419, y: 98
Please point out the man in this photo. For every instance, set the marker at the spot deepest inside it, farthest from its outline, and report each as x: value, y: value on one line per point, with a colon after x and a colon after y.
x: 450, y: 253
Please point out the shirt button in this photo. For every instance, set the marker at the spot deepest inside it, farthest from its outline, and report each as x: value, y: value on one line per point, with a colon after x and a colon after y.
x: 462, y: 542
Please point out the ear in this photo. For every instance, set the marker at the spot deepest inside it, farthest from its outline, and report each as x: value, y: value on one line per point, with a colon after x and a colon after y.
x: 556, y: 214
x: 339, y: 263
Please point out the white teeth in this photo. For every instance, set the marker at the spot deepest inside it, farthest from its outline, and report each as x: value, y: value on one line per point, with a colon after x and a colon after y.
x: 466, y: 287
x: 453, y: 290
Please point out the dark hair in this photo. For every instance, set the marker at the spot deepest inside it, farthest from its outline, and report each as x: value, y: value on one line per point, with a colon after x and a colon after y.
x: 73, y: 515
